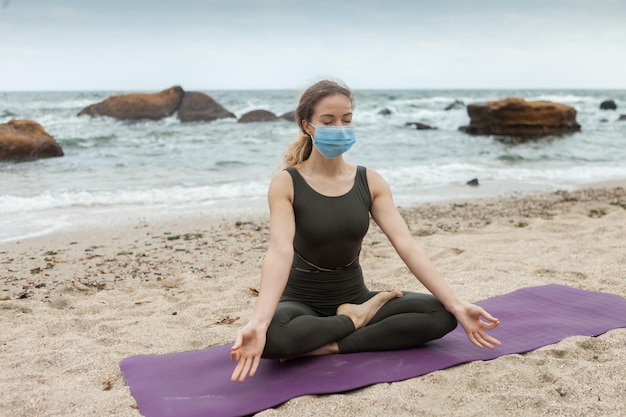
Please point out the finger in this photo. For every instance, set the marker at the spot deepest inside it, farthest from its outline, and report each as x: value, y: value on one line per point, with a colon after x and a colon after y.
x: 473, y: 339
x: 489, y: 340
x: 242, y: 368
x: 488, y: 316
x: 486, y: 340
x: 481, y: 339
x: 234, y: 355
x: 490, y: 326
x: 238, y: 342
x: 492, y: 339
x: 237, y: 371
x: 246, y: 369
x: 255, y: 365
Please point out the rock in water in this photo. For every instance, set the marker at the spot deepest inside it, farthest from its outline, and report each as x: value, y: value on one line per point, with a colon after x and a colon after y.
x: 420, y: 126
x: 457, y: 104
x: 26, y: 139
x: 258, y: 116
x: 608, y: 105
x: 135, y: 106
x: 290, y: 116
x: 518, y: 117
x: 197, y: 106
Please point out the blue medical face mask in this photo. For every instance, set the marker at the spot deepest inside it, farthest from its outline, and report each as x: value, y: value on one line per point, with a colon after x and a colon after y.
x: 333, y: 141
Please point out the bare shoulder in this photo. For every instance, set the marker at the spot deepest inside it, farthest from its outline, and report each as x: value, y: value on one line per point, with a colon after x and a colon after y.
x: 373, y: 175
x: 281, y: 177
x: 376, y: 182
x: 281, y: 186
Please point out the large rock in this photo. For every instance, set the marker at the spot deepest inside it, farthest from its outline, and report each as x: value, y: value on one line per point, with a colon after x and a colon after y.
x: 518, y: 117
x: 197, y: 106
x: 290, y: 116
x: 608, y: 105
x: 26, y: 139
x: 138, y: 105
x: 258, y: 116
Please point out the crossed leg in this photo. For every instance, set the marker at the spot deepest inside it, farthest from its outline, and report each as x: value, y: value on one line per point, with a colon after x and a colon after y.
x: 381, y: 321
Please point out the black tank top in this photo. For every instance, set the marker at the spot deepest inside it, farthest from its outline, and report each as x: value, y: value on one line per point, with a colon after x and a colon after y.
x: 327, y: 243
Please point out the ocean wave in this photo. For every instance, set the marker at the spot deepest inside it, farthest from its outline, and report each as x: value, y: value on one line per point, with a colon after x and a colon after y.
x: 169, y: 196
x: 111, y: 163
x: 88, y: 142
x: 459, y: 173
x: 7, y: 113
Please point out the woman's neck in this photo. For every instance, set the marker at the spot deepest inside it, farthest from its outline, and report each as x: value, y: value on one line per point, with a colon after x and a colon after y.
x: 317, y: 165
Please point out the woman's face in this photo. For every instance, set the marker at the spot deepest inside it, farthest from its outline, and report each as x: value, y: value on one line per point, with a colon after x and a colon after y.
x: 333, y: 110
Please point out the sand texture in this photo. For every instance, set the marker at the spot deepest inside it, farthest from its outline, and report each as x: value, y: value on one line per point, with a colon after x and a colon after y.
x: 73, y: 304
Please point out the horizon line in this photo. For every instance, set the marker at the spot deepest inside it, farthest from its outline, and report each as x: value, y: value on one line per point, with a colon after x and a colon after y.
x: 54, y: 90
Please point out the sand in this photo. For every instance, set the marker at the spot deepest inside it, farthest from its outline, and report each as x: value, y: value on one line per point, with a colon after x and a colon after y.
x: 73, y: 304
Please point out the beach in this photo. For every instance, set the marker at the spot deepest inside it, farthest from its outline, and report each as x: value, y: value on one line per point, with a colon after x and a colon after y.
x: 76, y: 302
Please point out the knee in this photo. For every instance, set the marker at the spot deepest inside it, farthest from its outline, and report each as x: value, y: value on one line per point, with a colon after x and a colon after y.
x: 447, y: 322
x: 277, y: 345
x: 453, y: 322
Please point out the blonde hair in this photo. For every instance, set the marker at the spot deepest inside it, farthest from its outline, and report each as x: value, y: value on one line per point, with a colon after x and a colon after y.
x: 300, y: 149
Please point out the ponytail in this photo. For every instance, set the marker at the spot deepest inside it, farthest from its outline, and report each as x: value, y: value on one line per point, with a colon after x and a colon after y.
x: 298, y: 151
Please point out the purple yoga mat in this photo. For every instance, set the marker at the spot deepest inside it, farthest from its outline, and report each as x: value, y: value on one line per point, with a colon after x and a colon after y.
x: 197, y: 383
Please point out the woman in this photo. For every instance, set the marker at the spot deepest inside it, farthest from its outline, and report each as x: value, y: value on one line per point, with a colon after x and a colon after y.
x: 312, y: 298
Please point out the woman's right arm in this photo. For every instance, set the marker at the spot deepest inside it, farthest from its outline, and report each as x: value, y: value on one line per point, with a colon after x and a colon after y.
x: 250, y: 340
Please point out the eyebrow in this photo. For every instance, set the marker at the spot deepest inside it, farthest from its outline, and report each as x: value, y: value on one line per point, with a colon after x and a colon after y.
x: 332, y: 115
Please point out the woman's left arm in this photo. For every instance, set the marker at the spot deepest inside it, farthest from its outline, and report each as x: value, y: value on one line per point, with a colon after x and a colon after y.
x: 386, y: 215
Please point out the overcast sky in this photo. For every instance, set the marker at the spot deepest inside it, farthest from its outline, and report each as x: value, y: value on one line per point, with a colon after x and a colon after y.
x: 149, y: 45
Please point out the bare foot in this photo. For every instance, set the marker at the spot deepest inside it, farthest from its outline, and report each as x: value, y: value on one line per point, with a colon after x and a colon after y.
x: 361, y: 314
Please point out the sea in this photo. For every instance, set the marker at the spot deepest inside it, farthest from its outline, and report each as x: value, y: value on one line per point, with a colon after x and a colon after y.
x: 118, y: 172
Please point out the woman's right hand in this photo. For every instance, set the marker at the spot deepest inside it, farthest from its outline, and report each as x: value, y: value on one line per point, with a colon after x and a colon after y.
x: 250, y: 341
x: 247, y: 351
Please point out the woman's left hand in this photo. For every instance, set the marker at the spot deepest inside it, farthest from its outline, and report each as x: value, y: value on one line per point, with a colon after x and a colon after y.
x: 471, y: 318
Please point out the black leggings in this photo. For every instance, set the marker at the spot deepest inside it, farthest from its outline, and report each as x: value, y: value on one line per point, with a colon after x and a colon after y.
x: 404, y: 322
